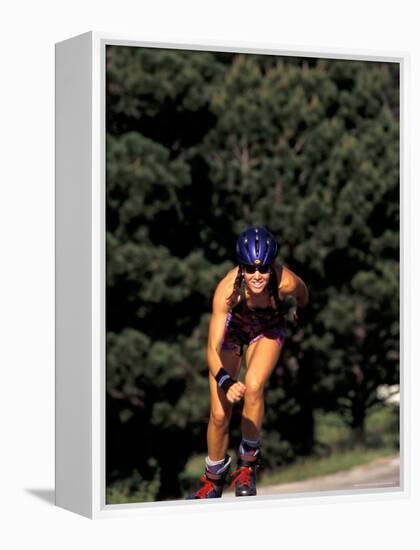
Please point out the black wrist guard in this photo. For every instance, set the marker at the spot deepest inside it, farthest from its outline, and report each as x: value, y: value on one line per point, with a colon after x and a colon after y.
x: 224, y: 380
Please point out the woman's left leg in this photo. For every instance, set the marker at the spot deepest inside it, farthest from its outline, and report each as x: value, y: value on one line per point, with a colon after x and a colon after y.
x: 261, y: 359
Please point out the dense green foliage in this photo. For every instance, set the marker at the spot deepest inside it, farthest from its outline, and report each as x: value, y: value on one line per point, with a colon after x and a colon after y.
x: 200, y: 145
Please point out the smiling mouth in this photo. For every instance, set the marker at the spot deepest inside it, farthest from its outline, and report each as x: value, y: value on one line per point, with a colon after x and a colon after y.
x: 257, y: 284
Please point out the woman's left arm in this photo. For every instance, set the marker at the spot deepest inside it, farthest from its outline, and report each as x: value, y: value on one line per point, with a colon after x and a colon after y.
x: 292, y: 285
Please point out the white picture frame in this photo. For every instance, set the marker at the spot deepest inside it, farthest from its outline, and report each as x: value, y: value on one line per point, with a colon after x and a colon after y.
x: 80, y: 279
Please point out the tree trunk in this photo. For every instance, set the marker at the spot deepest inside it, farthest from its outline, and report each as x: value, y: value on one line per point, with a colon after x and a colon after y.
x: 358, y: 407
x: 306, y: 428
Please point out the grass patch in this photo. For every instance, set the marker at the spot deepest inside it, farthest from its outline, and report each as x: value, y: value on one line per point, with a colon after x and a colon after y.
x: 132, y: 489
x: 316, y: 467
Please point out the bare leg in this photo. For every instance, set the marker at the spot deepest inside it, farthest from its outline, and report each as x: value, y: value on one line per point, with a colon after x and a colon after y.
x: 221, y: 409
x: 262, y: 357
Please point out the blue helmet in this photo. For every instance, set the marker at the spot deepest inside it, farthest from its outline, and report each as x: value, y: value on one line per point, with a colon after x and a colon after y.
x: 256, y: 246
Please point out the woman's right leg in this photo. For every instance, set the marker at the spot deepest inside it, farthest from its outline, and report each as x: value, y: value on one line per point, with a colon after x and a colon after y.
x: 217, y: 463
x: 221, y: 409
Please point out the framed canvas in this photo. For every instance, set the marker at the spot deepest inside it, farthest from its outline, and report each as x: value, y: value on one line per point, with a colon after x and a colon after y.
x: 228, y: 297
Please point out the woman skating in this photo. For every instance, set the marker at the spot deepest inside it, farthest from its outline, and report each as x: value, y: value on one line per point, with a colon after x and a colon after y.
x: 247, y: 311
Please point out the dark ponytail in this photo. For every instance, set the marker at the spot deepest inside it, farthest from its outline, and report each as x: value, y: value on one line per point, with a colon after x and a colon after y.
x: 273, y: 287
x: 233, y: 298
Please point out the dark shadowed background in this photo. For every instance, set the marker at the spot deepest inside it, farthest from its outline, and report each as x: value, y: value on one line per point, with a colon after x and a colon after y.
x: 200, y: 145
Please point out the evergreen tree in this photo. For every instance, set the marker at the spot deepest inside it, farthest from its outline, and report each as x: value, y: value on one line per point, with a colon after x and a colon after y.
x: 200, y: 145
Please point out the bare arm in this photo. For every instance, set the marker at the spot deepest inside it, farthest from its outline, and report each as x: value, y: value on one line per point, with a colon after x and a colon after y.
x: 234, y: 390
x: 292, y: 285
x: 217, y: 327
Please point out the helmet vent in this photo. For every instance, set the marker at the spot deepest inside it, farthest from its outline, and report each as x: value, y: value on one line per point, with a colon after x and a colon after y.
x: 257, y: 244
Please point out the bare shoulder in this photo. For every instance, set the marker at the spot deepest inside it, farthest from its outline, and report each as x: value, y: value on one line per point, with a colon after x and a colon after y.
x: 287, y: 278
x: 292, y: 284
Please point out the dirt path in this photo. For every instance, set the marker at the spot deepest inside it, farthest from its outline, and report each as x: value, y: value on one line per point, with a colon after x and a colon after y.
x: 383, y: 472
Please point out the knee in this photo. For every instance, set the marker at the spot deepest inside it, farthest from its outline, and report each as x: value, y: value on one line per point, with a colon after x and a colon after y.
x: 220, y: 420
x: 254, y: 390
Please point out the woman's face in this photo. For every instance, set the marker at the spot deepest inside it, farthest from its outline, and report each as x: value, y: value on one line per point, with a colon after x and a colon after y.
x: 256, y: 282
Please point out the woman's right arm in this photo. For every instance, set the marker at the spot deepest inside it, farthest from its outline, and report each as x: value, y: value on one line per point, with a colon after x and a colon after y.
x: 233, y: 389
x: 217, y: 328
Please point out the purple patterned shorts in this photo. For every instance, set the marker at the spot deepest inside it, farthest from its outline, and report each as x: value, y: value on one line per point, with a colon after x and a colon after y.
x: 236, y: 337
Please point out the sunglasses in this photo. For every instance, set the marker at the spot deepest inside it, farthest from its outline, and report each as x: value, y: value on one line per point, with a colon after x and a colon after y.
x: 263, y: 269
